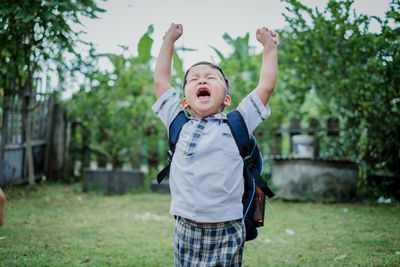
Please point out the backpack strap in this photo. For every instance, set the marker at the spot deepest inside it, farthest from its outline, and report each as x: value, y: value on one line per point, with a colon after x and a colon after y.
x: 173, y: 137
x: 246, y: 145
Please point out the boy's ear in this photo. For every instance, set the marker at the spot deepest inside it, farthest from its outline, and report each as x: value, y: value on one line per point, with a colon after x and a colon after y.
x: 227, y: 101
x: 185, y: 104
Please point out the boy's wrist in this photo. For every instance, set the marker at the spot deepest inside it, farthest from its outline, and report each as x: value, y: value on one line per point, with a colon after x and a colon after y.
x: 169, y: 41
x: 268, y: 48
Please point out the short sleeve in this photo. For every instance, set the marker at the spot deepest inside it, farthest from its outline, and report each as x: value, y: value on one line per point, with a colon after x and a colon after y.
x: 168, y: 106
x: 253, y: 111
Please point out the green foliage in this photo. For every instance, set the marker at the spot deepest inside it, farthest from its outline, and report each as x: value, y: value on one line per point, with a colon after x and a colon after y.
x: 329, y: 65
x: 352, y: 72
x: 144, y: 46
x: 115, y: 108
x: 35, y: 32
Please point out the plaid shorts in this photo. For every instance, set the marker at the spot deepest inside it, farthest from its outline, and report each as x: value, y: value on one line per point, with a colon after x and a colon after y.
x: 217, y: 244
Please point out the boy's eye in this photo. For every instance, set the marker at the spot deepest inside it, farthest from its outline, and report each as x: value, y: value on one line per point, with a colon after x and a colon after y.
x: 211, y: 77
x: 193, y: 80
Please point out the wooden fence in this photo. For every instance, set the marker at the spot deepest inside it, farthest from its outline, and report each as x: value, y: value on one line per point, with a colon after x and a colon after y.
x: 13, y: 163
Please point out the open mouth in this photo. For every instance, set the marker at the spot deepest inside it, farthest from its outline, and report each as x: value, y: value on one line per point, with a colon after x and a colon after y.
x: 203, y: 93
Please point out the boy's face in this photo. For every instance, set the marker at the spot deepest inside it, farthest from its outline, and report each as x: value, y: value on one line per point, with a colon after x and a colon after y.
x: 205, y: 91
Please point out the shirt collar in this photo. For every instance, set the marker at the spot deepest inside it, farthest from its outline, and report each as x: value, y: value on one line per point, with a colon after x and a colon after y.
x: 218, y: 116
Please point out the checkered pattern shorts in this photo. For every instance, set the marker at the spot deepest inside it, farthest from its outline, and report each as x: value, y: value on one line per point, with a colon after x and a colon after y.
x: 218, y: 244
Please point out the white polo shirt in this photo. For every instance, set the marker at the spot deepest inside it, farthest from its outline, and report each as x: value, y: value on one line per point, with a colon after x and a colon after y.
x: 208, y: 186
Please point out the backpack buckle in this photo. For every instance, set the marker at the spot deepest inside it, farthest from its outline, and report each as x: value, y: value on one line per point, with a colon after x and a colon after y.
x: 169, y: 155
x: 248, y: 162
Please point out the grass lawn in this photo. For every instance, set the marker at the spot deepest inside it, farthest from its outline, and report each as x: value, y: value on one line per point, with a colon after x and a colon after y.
x: 58, y: 225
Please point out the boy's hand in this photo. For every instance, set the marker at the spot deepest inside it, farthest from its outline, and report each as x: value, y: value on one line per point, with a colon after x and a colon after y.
x: 269, y: 67
x: 267, y: 37
x: 174, y: 32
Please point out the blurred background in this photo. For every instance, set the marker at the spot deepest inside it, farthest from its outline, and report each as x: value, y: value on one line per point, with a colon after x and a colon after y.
x: 76, y: 82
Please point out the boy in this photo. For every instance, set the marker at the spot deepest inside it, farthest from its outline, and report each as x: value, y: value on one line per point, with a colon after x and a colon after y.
x: 206, y: 175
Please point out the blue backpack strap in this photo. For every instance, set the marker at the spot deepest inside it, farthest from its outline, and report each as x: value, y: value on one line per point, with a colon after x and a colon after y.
x: 246, y: 146
x: 173, y: 137
x: 240, y: 133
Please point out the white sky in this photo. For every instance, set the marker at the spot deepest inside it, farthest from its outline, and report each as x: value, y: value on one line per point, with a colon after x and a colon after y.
x: 204, y: 22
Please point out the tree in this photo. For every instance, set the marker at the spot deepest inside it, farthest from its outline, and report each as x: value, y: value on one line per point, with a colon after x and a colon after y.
x: 354, y: 72
x: 33, y: 33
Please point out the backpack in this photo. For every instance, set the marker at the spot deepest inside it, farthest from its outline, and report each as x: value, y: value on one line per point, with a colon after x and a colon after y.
x: 255, y: 188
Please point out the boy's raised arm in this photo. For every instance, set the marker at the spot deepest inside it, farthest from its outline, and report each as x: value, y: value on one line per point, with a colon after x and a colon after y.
x: 269, y: 68
x: 162, y: 72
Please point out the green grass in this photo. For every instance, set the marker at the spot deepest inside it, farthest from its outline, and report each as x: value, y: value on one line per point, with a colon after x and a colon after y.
x: 58, y: 225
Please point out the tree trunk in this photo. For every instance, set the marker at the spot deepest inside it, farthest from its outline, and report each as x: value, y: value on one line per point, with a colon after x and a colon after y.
x: 28, y: 148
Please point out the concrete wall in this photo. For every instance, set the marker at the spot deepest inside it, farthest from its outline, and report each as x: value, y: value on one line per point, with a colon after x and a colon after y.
x: 301, y: 179
x: 113, y: 181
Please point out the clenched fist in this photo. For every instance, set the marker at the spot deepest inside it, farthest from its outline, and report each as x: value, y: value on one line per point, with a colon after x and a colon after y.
x: 174, y: 32
x: 267, y: 37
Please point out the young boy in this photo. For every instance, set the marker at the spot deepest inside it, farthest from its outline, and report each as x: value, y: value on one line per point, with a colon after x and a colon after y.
x: 206, y: 175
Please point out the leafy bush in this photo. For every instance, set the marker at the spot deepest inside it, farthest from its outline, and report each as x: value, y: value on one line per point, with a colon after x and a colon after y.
x: 329, y: 65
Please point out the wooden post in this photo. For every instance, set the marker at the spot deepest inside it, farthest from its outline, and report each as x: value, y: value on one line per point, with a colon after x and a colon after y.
x: 71, y: 149
x: 333, y: 126
x: 49, y: 134
x: 294, y: 130
x: 276, y: 145
x: 4, y: 137
x: 27, y: 97
x: 312, y: 130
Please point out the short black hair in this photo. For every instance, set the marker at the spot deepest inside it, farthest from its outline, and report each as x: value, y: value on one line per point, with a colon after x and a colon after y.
x: 208, y: 64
